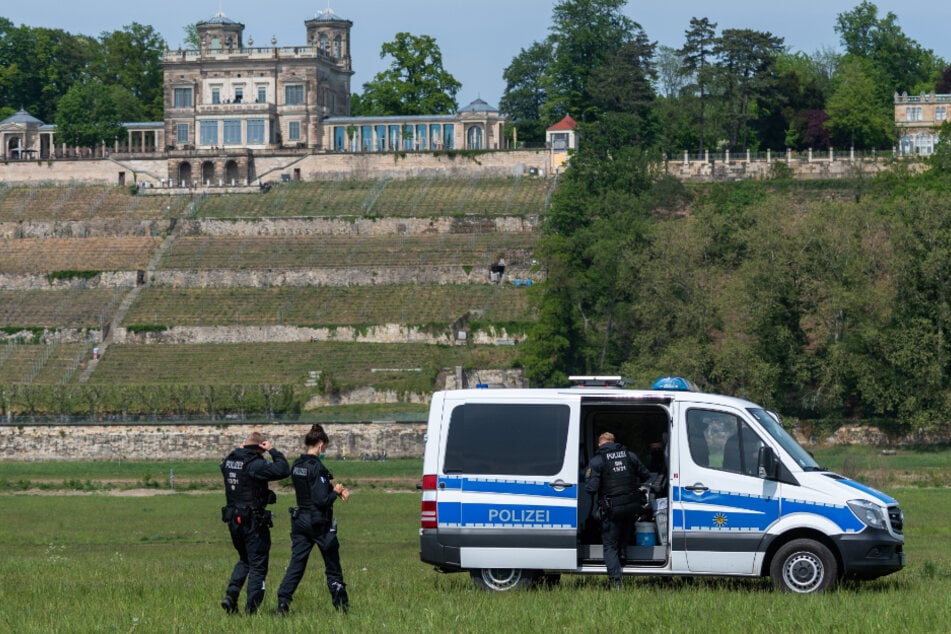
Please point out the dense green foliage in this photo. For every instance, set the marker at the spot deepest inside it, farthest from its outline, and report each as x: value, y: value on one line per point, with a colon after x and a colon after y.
x: 734, y: 89
x: 822, y: 300
x: 117, y: 77
x: 415, y: 83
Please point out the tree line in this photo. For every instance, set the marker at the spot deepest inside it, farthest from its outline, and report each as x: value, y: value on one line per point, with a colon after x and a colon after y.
x: 87, y: 86
x: 826, y: 300
x: 723, y: 88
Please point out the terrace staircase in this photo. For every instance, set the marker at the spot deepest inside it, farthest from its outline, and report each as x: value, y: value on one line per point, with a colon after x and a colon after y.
x: 129, y: 299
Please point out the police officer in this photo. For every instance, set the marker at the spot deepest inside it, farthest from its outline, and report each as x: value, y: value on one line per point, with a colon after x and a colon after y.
x: 246, y: 471
x: 313, y: 523
x: 614, y: 474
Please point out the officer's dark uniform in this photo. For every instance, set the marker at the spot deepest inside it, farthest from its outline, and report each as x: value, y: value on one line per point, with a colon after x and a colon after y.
x: 246, y: 474
x: 313, y: 523
x: 614, y: 473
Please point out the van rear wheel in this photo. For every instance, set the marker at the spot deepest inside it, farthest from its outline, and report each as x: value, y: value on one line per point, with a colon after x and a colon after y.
x: 503, y: 579
x: 803, y: 566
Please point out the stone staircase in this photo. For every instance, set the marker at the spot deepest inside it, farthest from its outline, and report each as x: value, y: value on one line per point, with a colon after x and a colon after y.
x: 128, y: 301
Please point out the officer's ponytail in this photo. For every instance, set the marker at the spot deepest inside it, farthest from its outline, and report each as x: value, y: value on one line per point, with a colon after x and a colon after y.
x: 316, y: 435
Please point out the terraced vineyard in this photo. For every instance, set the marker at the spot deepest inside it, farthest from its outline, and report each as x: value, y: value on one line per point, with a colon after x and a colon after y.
x: 329, y: 306
x: 426, y: 197
x: 84, y: 202
x: 41, y: 364
x: 33, y: 255
x: 404, y: 288
x: 296, y: 252
x: 68, y: 308
x: 350, y: 364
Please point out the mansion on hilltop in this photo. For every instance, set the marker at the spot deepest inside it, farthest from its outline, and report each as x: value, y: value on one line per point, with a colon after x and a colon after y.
x: 231, y: 100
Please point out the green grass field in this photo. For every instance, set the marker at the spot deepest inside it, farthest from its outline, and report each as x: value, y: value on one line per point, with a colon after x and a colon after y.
x: 121, y: 563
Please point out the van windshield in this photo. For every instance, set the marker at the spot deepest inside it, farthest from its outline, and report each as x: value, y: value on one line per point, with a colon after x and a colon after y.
x: 787, y: 442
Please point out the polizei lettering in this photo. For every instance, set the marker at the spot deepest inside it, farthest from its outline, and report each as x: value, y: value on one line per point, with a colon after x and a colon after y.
x: 519, y: 516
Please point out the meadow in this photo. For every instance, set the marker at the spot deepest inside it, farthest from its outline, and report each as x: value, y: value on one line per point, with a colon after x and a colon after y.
x: 118, y: 561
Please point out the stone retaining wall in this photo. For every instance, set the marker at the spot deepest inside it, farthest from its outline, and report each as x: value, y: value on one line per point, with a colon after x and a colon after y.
x: 357, y: 226
x: 202, y: 441
x: 342, y: 276
x: 383, y: 333
x: 38, y: 281
x: 368, y: 166
x: 82, y: 228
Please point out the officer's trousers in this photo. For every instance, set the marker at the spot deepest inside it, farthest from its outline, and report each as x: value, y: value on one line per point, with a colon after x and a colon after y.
x: 306, y: 534
x: 252, y: 540
x: 615, y: 535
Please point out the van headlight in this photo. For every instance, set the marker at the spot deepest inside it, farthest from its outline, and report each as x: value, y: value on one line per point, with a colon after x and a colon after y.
x: 871, y: 514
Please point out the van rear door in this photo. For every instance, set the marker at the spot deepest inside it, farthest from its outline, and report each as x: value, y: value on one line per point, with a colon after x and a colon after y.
x: 508, y: 480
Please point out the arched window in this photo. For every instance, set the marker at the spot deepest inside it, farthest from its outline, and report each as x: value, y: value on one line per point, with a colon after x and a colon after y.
x: 337, y: 47
x: 324, y: 43
x: 208, y: 173
x: 185, y: 174
x: 231, y: 173
x: 474, y: 138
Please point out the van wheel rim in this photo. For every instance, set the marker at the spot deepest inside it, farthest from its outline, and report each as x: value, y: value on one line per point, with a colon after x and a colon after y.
x: 803, y: 572
x: 501, y: 578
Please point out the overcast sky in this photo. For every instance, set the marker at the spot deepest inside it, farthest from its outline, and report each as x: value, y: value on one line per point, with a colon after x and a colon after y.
x: 478, y: 38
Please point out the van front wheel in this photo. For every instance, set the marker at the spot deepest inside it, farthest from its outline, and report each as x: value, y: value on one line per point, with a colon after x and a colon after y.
x: 503, y: 579
x: 803, y: 566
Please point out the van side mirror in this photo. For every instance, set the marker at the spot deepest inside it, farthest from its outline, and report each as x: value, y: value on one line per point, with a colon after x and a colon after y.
x: 767, y: 466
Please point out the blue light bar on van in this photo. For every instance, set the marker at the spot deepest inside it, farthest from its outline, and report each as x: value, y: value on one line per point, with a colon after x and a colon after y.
x: 674, y: 383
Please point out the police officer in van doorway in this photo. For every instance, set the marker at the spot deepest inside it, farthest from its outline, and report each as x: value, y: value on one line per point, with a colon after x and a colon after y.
x: 614, y: 474
x: 313, y: 523
x: 247, y: 471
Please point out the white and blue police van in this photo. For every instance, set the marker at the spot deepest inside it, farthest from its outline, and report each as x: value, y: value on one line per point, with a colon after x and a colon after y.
x: 733, y: 494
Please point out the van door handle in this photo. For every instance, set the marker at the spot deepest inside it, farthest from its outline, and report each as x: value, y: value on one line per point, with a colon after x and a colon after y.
x: 560, y: 484
x: 698, y: 488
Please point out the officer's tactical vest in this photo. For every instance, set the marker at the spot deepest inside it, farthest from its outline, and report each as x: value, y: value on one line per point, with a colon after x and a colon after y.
x: 306, y: 470
x: 617, y: 476
x: 241, y: 490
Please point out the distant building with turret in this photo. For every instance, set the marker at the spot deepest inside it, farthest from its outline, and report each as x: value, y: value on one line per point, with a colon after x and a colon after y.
x: 232, y: 105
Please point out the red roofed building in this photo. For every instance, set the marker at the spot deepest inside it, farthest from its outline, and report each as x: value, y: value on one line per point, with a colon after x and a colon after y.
x: 561, y: 138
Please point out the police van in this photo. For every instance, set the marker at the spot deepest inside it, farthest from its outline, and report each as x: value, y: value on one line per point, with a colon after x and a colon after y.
x: 733, y: 493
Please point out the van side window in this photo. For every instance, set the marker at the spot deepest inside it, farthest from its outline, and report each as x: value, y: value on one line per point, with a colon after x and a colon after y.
x: 719, y: 440
x: 507, y: 439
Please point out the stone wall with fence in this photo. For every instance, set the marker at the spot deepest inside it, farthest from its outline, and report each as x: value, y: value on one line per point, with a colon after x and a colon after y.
x: 152, y: 171
x: 159, y: 441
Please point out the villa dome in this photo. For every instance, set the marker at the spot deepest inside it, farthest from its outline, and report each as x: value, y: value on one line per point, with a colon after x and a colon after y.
x: 478, y: 106
x: 221, y: 19
x: 328, y: 15
x: 22, y: 117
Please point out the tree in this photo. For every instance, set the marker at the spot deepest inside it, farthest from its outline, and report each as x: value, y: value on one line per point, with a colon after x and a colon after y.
x: 900, y: 63
x: 745, y: 74
x: 598, y: 215
x: 625, y: 83
x: 526, y: 90
x: 39, y: 66
x: 586, y: 33
x: 192, y: 39
x: 697, y: 51
x: 856, y: 118
x: 671, y: 72
x: 415, y: 83
x: 132, y: 58
x: 89, y: 114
